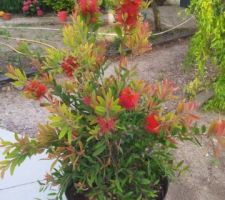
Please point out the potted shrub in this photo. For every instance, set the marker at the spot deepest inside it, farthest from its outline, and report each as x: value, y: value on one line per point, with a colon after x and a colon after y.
x: 2, y: 13
x: 110, y: 135
x: 7, y: 16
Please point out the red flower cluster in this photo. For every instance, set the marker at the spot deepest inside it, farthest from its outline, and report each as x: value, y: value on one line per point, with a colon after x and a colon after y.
x: 106, y: 125
x: 89, y: 8
x: 219, y: 128
x: 35, y: 89
x: 128, y: 98
x: 69, y: 65
x: 31, y: 7
x: 127, y: 14
x: 152, y: 125
x: 87, y: 100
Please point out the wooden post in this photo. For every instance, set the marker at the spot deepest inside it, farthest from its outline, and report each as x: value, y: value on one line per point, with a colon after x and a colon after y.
x: 156, y: 14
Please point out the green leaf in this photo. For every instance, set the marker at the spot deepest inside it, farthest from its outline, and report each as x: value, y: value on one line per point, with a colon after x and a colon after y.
x: 101, y: 100
x: 100, y: 147
x: 63, y: 132
x: 70, y: 136
x: 118, y: 186
x: 145, y: 181
x: 100, y: 110
x: 13, y: 166
x: 118, y: 31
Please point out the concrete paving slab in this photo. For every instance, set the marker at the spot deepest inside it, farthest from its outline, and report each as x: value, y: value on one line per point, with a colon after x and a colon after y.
x: 23, y: 185
x: 172, y: 16
x: 20, y: 20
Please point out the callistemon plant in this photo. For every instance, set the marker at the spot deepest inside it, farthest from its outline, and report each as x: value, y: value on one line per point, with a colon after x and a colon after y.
x: 110, y: 135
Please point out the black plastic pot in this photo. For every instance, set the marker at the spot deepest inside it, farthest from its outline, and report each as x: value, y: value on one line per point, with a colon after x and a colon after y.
x: 71, y: 192
x: 164, y: 185
x: 72, y: 195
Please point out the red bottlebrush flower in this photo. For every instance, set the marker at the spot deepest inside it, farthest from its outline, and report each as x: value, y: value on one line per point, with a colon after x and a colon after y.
x: 152, y: 125
x: 89, y: 7
x: 106, y: 125
x: 128, y: 98
x: 219, y: 128
x: 69, y: 65
x: 25, y: 8
x: 35, y: 89
x: 87, y: 100
x: 127, y: 14
x: 93, y: 6
x: 40, y: 13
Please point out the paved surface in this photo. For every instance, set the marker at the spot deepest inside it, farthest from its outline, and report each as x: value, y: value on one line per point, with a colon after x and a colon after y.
x: 23, y: 184
x: 20, y: 20
x: 170, y: 16
x: 19, y: 114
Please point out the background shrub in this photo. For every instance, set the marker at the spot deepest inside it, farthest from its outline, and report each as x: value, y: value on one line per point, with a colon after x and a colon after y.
x: 58, y: 5
x: 13, y: 6
x: 208, y: 45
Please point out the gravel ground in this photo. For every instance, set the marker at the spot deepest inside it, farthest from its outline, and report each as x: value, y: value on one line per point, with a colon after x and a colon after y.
x: 19, y: 114
x: 202, y: 182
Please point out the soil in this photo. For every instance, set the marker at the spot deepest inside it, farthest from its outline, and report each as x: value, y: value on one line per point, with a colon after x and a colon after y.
x: 162, y: 189
x: 14, y: 59
x: 203, y: 181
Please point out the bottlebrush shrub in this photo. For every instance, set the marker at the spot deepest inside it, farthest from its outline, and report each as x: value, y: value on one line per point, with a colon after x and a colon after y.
x: 32, y: 7
x: 109, y: 135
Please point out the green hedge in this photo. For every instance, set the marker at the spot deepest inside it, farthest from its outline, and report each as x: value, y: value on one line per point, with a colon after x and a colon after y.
x: 13, y: 6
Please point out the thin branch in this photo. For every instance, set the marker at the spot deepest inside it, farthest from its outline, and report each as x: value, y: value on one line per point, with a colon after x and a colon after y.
x: 12, y: 48
x: 29, y: 41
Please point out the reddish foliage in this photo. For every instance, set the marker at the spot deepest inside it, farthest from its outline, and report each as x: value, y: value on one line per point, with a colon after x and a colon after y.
x: 35, y: 89
x: 69, y: 65
x: 152, y: 125
x: 87, y: 100
x: 128, y: 98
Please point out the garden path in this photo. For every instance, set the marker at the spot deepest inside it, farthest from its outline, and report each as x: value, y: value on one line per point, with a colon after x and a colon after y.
x: 23, y: 185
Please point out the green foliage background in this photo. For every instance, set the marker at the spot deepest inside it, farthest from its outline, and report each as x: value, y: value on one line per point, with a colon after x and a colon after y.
x: 13, y: 6
x: 58, y: 5
x: 208, y: 44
